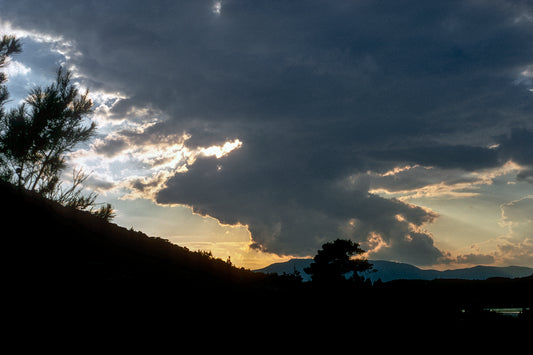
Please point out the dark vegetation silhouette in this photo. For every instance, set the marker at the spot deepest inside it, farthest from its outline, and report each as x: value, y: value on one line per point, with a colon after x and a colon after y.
x: 36, y: 136
x: 9, y: 45
x: 334, y: 266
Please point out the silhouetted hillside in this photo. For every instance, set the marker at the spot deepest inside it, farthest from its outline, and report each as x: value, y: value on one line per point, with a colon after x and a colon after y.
x: 70, y: 267
x: 48, y: 248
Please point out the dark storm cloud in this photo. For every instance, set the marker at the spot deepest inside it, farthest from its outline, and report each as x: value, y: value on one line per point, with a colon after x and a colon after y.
x: 289, y: 215
x: 518, y: 146
x: 416, y: 177
x: 111, y: 147
x: 525, y: 175
x: 463, y: 157
x: 317, y: 92
x: 475, y: 259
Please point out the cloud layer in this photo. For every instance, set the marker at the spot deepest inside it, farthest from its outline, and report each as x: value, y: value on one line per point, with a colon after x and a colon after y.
x: 326, y: 98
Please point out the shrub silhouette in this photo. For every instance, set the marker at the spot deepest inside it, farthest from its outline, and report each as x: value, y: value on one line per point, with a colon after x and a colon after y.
x: 36, y: 136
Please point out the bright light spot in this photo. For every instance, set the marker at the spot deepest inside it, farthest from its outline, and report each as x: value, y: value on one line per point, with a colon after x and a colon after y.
x: 217, y: 7
x: 400, y: 218
x: 401, y: 169
x: 527, y: 73
x: 6, y: 27
x: 220, y: 151
x: 375, y: 242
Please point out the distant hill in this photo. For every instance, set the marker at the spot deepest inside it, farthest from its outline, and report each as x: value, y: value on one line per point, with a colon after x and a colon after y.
x: 389, y: 270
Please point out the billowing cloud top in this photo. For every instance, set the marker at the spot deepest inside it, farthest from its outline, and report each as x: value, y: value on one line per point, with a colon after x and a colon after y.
x: 323, y: 96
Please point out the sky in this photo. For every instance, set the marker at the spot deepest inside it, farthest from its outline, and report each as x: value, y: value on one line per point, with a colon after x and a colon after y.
x: 262, y: 129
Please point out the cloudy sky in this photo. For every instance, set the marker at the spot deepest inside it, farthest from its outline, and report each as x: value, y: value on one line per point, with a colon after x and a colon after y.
x: 262, y: 129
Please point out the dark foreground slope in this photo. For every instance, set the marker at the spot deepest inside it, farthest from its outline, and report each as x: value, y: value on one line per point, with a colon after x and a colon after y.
x: 66, y: 265
x: 45, y: 243
x: 61, y: 260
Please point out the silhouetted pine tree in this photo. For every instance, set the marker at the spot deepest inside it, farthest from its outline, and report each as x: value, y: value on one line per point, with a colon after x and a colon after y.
x: 36, y: 136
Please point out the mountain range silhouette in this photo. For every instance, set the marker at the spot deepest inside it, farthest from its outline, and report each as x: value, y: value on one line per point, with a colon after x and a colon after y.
x: 390, y: 270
